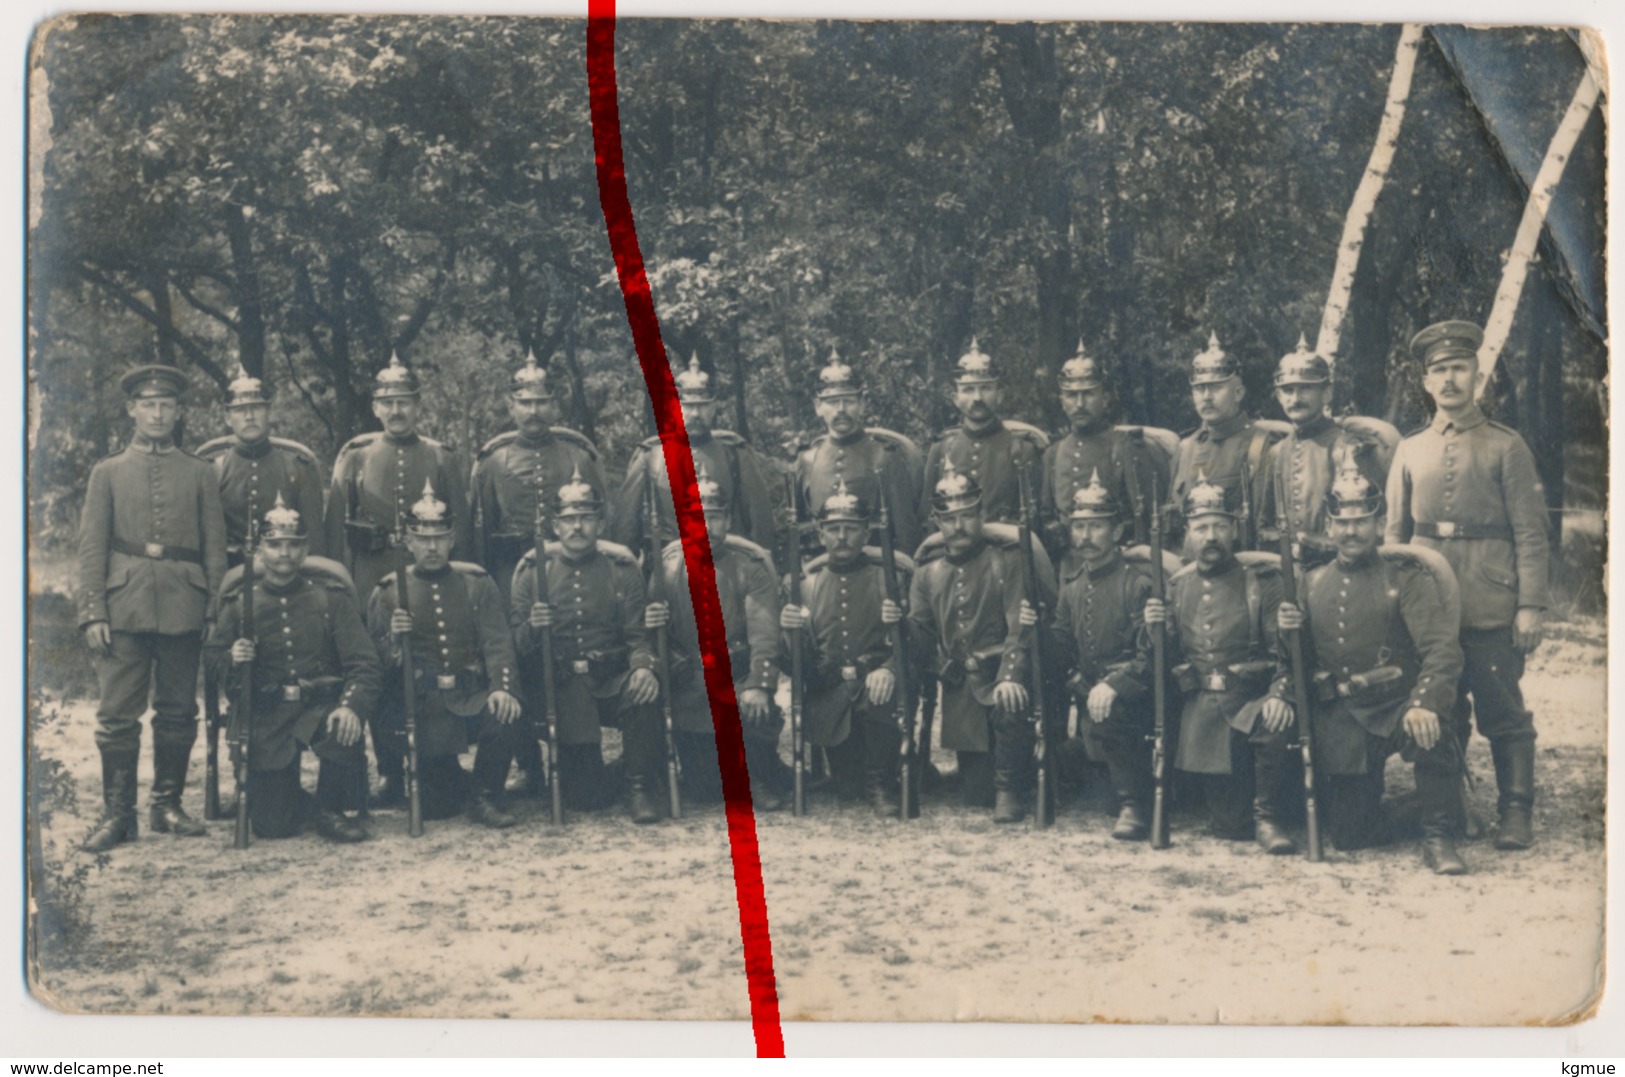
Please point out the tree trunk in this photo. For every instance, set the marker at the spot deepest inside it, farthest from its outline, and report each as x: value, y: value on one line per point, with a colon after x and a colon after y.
x: 250, y: 319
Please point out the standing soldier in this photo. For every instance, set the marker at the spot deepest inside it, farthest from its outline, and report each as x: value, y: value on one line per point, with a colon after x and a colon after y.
x: 748, y: 591
x: 462, y: 656
x: 743, y: 477
x: 1222, y: 612
x: 1301, y: 466
x: 1228, y: 448
x: 984, y: 449
x: 315, y: 674
x: 968, y: 609
x: 152, y: 554
x: 375, y: 479
x: 519, y: 473
x: 849, y: 453
x: 850, y: 668
x: 1467, y: 487
x: 1099, y: 618
x: 1382, y: 640
x: 1126, y: 458
x: 255, y: 468
x: 603, y: 669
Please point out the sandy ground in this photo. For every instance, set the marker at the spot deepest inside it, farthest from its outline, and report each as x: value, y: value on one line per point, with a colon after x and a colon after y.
x: 943, y: 918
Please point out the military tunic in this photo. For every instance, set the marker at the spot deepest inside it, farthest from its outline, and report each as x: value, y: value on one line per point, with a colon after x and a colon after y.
x: 376, y: 479
x: 846, y: 642
x: 512, y: 474
x: 1301, y: 468
x: 993, y: 457
x: 1223, y: 452
x: 1070, y: 462
x: 598, y: 634
x: 744, y: 477
x: 855, y: 461
x: 251, y: 477
x: 1099, y: 625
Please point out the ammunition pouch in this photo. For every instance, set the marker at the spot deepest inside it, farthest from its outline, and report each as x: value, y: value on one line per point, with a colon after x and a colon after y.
x: 600, y: 665
x: 364, y: 536
x: 1323, y: 688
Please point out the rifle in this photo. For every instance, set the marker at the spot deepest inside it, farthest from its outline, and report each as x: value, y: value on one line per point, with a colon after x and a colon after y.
x: 657, y: 587
x: 1247, y: 536
x: 903, y: 697
x: 798, y: 753
x: 245, y: 726
x: 550, y: 703
x: 1042, y: 814
x: 1159, y: 686
x: 414, y: 802
x: 211, y: 754
x: 1300, y: 684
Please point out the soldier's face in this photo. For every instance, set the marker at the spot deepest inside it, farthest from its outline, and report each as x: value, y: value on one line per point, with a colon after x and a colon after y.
x: 1217, y: 401
x: 399, y: 414
x: 716, y: 527
x: 1086, y: 408
x: 1355, y: 538
x: 699, y: 415
x: 842, y: 415
x: 532, y: 415
x: 842, y: 540
x: 154, y: 416
x: 578, y: 533
x: 431, y: 553
x: 281, y: 558
x: 1096, y: 539
x: 978, y: 402
x: 250, y: 422
x: 1450, y: 382
x: 961, y: 529
x: 1302, y: 403
x: 1212, y: 537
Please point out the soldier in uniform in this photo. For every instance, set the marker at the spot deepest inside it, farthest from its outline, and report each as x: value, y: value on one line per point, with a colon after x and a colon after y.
x: 315, y: 674
x: 748, y: 590
x: 1099, y: 622
x: 1222, y: 614
x: 255, y: 468
x: 603, y: 669
x: 152, y: 554
x: 462, y: 655
x: 1124, y: 458
x: 984, y: 448
x: 1381, y: 642
x: 849, y: 453
x: 745, y: 479
x: 375, y: 479
x: 1228, y: 448
x: 1467, y: 487
x: 968, y: 613
x: 850, y: 668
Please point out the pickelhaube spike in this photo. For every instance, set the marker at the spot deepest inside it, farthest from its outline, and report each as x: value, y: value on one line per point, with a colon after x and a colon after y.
x: 1302, y: 367
x: 1082, y: 371
x: 577, y: 497
x: 695, y: 386
x: 1353, y: 496
x: 429, y: 515
x: 1093, y: 501
x: 954, y: 491
x: 843, y: 506
x: 282, y: 522
x: 396, y: 379
x: 530, y: 380
x: 1207, y: 499
x: 1213, y: 365
x: 975, y: 366
x: 837, y: 378
x: 244, y: 389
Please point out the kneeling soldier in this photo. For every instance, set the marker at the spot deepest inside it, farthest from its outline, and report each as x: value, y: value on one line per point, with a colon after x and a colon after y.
x: 852, y: 671
x: 315, y: 674
x: 603, y: 670
x: 462, y: 663
x: 1099, y: 621
x: 1383, y: 641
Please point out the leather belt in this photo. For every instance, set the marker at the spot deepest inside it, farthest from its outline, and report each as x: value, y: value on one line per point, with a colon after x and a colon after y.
x: 1215, y: 682
x: 849, y: 673
x: 157, y: 551
x: 1451, y: 530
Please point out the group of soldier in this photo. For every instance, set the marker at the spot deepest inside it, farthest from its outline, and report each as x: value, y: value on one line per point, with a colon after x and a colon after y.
x: 1339, y: 586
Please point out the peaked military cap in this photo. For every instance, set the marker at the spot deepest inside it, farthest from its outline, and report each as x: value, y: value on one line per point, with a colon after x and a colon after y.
x: 1446, y: 340
x: 529, y: 382
x: 1213, y: 365
x: 395, y: 379
x: 1082, y: 371
x: 429, y: 516
x: 975, y: 367
x: 713, y: 498
x: 837, y: 379
x: 1302, y: 367
x: 243, y: 390
x: 577, y: 497
x: 1207, y: 499
x: 153, y: 380
x: 1094, y: 501
x: 955, y: 491
x: 843, y: 506
x: 695, y: 386
x: 1353, y: 497
x: 282, y: 522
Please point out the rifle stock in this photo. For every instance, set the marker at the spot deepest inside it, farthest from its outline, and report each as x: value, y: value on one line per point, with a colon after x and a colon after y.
x: 908, y: 807
x: 798, y: 751
x: 245, y: 729
x: 211, y: 748
x: 549, y: 695
x: 1300, y: 685
x: 414, y: 799
x: 1043, y: 815
x: 1159, y: 686
x: 657, y: 593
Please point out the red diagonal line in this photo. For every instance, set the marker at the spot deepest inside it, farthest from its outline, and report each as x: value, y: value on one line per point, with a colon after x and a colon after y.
x: 702, y: 579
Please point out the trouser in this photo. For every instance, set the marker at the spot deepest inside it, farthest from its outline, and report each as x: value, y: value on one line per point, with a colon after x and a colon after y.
x: 1490, y: 676
x: 279, y: 807
x: 1007, y: 768
x: 869, y: 756
x: 1254, y: 788
x: 145, y: 665
x: 1353, y: 802
x: 443, y: 784
x: 702, y: 775
x: 1123, y: 739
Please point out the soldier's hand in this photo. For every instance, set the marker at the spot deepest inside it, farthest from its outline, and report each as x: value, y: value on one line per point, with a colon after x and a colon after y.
x: 345, y: 725
x: 1277, y: 714
x: 99, y: 637
x: 880, y: 684
x: 1423, y: 726
x: 1289, y: 617
x: 642, y: 687
x: 793, y: 618
x: 753, y: 705
x: 1528, y: 628
x: 242, y: 651
x: 504, y: 707
x: 1010, y: 696
x: 1155, y: 612
x: 656, y: 615
x: 1029, y: 614
x: 400, y: 623
x: 1101, y: 698
x: 541, y: 615
x: 890, y: 612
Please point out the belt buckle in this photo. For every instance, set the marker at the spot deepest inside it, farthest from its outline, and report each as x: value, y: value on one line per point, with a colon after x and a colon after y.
x: 155, y: 550
x: 1446, y: 529
x: 446, y: 681
x: 290, y: 693
x: 1215, y: 682
x: 580, y: 666
x: 971, y: 664
x: 849, y: 673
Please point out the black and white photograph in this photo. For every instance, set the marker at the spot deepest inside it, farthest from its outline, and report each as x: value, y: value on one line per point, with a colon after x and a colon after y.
x: 1133, y: 549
